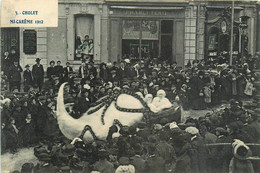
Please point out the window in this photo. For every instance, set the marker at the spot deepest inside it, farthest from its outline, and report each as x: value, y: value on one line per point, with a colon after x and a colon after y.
x: 29, y: 42
x: 140, y: 38
x: 84, y: 37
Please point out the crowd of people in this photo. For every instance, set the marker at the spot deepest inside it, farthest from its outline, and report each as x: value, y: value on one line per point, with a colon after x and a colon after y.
x: 28, y: 117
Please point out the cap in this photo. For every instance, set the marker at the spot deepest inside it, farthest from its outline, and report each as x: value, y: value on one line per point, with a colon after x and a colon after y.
x: 192, y: 130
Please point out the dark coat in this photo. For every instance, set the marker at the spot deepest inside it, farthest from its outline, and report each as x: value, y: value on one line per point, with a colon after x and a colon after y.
x: 66, y: 72
x: 58, y: 70
x: 104, y: 166
x: 11, y: 137
x: 226, y: 153
x: 183, y: 159
x: 50, y: 71
x: 3, y: 140
x: 27, y: 133
x: 85, y: 72
x: 19, y: 117
x: 253, y: 130
x: 198, y: 156
x: 155, y: 164
x: 104, y: 74
x: 122, y: 73
x: 93, y: 70
x: 38, y: 72
x: 139, y: 163
x: 27, y: 75
x: 15, y: 73
x: 166, y: 151
x: 215, y: 154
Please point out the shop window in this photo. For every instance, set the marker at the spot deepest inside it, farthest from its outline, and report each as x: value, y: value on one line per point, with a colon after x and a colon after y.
x: 140, y: 39
x: 84, y: 37
x: 29, y: 42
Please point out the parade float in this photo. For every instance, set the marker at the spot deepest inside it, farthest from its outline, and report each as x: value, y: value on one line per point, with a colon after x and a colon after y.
x: 123, y: 108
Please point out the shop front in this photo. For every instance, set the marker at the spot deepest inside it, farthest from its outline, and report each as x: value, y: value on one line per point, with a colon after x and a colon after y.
x: 145, y: 33
x: 218, y: 33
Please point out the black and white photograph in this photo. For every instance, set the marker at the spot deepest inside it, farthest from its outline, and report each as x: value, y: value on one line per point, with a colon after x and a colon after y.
x: 132, y: 86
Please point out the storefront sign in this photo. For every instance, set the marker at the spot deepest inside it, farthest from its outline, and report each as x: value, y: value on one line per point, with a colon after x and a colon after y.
x: 29, y: 42
x: 145, y: 12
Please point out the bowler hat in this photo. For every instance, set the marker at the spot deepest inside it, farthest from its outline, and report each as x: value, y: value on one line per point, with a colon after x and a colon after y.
x: 27, y: 66
x: 38, y: 59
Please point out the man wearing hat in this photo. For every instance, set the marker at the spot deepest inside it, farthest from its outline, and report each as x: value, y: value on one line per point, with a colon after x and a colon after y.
x: 199, y: 151
x: 221, y: 134
x: 15, y: 75
x: 27, y: 75
x: 38, y: 74
x: 67, y: 70
x: 138, y: 161
x: 122, y: 71
x: 166, y: 151
x: 103, y: 165
x: 154, y: 163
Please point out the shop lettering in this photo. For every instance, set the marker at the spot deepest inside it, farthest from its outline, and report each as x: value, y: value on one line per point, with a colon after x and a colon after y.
x: 143, y: 12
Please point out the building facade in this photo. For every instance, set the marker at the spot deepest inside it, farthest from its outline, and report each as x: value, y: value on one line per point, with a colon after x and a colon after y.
x: 175, y: 31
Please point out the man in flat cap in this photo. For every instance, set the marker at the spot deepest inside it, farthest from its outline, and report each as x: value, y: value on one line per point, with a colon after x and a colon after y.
x: 38, y: 74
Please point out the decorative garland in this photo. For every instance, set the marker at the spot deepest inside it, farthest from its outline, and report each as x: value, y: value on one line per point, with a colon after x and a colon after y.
x: 103, y: 99
x: 88, y: 128
x: 96, y: 109
x: 117, y: 122
x: 142, y: 110
x: 106, y: 101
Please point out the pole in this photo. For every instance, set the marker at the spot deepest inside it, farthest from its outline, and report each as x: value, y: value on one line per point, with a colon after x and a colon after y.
x: 222, y: 144
x: 231, y: 35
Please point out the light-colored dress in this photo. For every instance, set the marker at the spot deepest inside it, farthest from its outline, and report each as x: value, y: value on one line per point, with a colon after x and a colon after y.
x: 161, y: 104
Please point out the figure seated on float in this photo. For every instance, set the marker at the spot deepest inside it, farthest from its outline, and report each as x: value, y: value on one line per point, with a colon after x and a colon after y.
x: 149, y: 99
x: 159, y: 103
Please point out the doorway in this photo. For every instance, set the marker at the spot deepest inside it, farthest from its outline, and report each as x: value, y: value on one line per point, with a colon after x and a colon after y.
x: 10, y: 40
